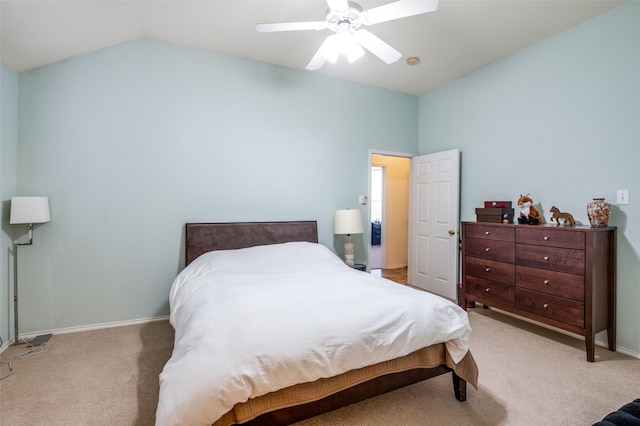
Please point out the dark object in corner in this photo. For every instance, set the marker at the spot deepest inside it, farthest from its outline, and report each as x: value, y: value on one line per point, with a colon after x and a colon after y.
x: 627, y: 415
x: 40, y: 340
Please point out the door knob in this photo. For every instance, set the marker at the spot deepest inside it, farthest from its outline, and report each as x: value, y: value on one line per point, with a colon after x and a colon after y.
x: 452, y: 232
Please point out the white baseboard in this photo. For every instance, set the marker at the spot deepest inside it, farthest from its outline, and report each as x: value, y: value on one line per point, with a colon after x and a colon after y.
x: 624, y: 351
x: 599, y: 340
x: 88, y: 328
x: 68, y: 330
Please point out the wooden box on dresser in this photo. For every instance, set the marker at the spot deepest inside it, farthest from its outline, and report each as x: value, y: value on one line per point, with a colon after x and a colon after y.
x: 561, y: 276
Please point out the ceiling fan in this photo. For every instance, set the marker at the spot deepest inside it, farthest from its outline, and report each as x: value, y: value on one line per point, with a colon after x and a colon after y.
x: 345, y: 18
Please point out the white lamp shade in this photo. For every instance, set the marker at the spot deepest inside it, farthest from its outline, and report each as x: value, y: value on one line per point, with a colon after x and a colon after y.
x: 348, y: 222
x: 29, y: 210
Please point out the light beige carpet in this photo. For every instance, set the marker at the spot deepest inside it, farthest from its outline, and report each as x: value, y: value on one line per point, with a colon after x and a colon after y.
x: 528, y: 376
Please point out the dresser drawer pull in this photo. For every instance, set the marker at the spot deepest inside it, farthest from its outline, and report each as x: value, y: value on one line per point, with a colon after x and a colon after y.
x: 545, y: 238
x: 487, y: 249
x: 546, y: 305
x: 546, y: 282
x: 487, y: 269
x: 546, y: 258
x: 486, y: 232
x: 487, y: 290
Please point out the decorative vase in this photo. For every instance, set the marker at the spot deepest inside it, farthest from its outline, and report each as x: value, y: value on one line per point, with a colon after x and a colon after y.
x: 598, y: 212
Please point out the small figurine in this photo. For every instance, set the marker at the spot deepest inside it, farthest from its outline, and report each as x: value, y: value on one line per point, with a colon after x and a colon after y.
x: 528, y: 214
x: 557, y: 215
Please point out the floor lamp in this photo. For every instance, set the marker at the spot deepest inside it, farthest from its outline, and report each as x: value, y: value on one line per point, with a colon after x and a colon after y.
x: 26, y: 210
x: 348, y: 222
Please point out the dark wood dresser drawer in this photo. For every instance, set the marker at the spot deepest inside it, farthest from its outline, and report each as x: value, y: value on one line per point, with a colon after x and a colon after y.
x: 501, y: 251
x: 491, y: 270
x: 490, y: 232
x: 557, y: 308
x: 545, y: 236
x: 490, y: 291
x: 557, y: 275
x: 555, y: 283
x: 555, y: 259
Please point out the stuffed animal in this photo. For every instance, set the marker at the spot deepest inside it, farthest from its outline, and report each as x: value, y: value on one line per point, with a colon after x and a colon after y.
x: 557, y: 215
x: 528, y: 214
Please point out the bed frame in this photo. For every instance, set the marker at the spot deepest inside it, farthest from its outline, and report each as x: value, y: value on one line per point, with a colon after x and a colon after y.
x: 203, y: 237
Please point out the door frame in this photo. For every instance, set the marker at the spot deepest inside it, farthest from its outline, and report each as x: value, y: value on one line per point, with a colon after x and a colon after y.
x: 387, y: 154
x: 383, y: 214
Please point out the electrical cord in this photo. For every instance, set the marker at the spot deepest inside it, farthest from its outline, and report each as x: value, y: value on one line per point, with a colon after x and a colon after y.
x: 11, y: 369
x: 26, y: 354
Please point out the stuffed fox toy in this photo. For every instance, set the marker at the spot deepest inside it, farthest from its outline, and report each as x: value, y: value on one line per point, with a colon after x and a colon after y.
x: 528, y: 214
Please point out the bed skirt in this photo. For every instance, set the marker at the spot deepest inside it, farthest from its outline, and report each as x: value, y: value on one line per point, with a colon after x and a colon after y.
x: 430, y: 357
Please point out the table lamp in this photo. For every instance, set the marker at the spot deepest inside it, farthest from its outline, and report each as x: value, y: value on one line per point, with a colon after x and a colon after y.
x: 348, y: 222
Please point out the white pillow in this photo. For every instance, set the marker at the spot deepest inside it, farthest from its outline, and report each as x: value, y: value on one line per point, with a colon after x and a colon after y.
x: 266, y: 258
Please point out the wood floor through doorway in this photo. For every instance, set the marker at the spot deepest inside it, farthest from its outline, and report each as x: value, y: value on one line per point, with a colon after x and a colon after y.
x: 398, y: 275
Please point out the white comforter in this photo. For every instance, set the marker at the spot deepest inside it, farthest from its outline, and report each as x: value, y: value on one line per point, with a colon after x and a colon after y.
x: 256, y: 320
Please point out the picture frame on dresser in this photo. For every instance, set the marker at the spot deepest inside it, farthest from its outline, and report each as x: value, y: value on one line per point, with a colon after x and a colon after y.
x: 564, y: 277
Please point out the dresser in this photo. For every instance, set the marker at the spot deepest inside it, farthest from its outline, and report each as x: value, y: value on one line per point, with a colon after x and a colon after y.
x: 560, y: 276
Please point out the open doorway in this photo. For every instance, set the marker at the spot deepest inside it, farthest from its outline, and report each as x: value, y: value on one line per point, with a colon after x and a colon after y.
x: 377, y: 201
x: 389, y: 214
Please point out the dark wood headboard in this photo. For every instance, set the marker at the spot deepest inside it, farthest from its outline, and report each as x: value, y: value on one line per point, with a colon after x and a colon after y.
x: 204, y: 237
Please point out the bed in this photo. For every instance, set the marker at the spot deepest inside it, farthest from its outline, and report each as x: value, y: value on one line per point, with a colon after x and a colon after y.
x: 256, y: 280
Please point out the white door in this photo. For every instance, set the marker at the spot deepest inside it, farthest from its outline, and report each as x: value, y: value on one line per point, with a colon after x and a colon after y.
x: 434, y: 221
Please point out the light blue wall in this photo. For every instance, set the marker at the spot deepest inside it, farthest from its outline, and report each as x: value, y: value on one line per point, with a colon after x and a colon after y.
x: 8, y: 184
x: 560, y: 120
x: 131, y: 142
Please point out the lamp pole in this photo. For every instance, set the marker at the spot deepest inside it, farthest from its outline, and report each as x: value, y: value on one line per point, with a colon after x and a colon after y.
x: 15, y: 282
x: 26, y: 210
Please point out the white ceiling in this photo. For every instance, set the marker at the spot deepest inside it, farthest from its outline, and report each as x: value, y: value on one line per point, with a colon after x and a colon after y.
x: 458, y: 38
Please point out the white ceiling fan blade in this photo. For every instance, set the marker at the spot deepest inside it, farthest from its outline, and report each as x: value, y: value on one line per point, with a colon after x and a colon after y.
x: 376, y: 46
x: 319, y: 58
x: 398, y: 9
x: 338, y: 5
x: 291, y: 26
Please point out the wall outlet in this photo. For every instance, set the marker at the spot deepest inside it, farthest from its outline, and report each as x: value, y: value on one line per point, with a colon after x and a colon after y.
x: 362, y: 199
x: 622, y: 196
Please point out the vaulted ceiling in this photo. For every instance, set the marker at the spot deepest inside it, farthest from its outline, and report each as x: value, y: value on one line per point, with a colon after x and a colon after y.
x: 459, y: 37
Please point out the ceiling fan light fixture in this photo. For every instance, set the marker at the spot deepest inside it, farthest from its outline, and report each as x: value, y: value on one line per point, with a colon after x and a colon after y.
x: 342, y: 43
x: 344, y: 18
x: 354, y: 53
x: 331, y: 48
x: 349, y: 46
